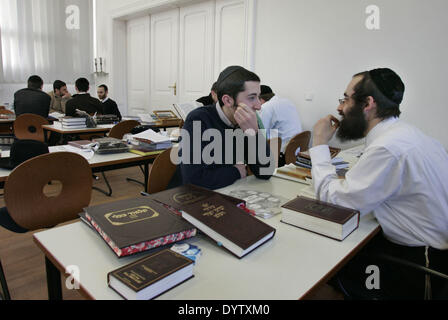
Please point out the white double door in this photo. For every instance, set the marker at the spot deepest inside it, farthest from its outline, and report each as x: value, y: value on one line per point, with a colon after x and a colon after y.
x: 175, y: 56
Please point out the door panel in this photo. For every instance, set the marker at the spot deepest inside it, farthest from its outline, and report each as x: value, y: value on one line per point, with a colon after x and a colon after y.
x: 138, y: 65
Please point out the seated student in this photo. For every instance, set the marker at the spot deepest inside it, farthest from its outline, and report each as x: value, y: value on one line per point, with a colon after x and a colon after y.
x: 32, y: 99
x: 109, y: 105
x: 401, y: 177
x: 212, y: 98
x: 59, y: 97
x: 83, y: 101
x: 231, y: 149
x: 279, y: 114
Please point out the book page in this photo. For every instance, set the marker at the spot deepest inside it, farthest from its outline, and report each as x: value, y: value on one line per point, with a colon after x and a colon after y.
x: 153, y: 136
x: 185, y: 108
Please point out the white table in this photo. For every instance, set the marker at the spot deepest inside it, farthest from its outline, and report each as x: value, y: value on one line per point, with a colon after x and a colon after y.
x: 288, y: 267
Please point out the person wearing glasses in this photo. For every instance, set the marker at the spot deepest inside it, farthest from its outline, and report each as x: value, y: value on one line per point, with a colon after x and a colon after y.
x: 401, y: 177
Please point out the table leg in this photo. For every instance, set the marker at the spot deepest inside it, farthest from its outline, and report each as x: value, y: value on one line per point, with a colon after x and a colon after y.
x: 53, y: 281
x: 146, y: 176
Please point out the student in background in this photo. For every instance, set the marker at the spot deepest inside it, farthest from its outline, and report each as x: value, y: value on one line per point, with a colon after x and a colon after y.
x: 59, y: 97
x: 82, y: 100
x: 32, y: 99
x: 212, y: 98
x: 279, y: 114
x: 401, y: 177
x: 238, y: 94
x: 109, y: 105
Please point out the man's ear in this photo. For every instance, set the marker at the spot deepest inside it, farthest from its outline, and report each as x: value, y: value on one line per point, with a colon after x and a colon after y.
x: 227, y: 100
x: 370, y: 107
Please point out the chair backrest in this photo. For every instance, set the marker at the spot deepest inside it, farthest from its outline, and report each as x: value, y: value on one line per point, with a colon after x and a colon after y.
x: 26, y: 201
x: 301, y: 141
x: 29, y: 127
x: 119, y: 130
x: 4, y: 111
x: 162, y: 171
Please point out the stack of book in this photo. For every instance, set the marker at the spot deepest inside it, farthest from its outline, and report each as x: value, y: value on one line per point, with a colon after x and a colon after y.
x: 73, y: 123
x: 150, y: 142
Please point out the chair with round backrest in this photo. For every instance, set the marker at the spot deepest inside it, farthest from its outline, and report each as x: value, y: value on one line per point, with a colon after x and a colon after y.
x: 29, y: 127
x: 32, y: 209
x: 301, y: 141
x: 162, y: 171
x: 125, y: 127
x: 2, y: 108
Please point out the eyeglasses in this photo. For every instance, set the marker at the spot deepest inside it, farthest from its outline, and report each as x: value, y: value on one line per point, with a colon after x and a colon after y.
x: 343, y: 101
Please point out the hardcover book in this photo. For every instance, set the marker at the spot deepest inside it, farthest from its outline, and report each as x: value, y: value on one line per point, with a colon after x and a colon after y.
x: 320, y: 217
x: 187, y: 194
x: 229, y: 226
x: 81, y: 144
x: 151, y: 276
x: 136, y: 225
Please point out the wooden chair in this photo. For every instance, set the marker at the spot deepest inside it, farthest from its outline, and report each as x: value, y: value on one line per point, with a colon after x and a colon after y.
x: 162, y: 171
x: 118, y: 132
x: 125, y: 127
x: 301, y: 141
x: 31, y: 209
x: 2, y: 108
x: 29, y: 127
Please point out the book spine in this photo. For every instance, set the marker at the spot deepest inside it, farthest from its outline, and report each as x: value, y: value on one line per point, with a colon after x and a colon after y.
x: 105, y: 237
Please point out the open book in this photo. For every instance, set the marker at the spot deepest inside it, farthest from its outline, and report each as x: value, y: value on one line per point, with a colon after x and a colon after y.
x: 183, y: 109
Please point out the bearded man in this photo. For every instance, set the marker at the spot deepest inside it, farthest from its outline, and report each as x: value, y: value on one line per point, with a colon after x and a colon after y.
x: 401, y: 177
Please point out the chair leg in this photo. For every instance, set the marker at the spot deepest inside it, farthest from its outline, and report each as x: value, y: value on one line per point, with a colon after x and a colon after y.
x: 6, y: 295
x: 107, y: 193
x: 136, y: 181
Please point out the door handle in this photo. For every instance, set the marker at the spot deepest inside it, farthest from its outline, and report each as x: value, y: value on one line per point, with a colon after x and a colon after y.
x: 175, y: 88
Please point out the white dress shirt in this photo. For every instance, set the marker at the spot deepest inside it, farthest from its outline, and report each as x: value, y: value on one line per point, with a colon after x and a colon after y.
x: 281, y: 114
x: 402, y: 178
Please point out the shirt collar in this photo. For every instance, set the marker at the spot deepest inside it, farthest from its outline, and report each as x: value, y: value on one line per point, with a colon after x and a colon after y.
x: 105, y: 100
x: 223, y: 116
x: 379, y: 129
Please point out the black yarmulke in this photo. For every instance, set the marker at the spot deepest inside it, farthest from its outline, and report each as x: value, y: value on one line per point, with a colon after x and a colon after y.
x: 389, y: 83
x: 228, y: 72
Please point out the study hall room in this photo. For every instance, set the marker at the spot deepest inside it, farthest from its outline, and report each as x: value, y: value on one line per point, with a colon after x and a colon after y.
x: 223, y: 150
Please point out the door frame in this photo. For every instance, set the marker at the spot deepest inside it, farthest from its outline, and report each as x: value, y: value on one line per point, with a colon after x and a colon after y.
x: 117, y: 34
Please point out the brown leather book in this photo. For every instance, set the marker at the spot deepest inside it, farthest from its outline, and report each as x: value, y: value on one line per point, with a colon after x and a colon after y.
x: 151, y: 276
x: 320, y: 217
x: 189, y: 194
x: 229, y: 226
x: 136, y: 225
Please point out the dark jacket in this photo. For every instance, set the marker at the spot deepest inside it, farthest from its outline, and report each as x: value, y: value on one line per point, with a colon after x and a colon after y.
x: 83, y: 102
x: 219, y: 175
x: 110, y: 107
x: 32, y: 101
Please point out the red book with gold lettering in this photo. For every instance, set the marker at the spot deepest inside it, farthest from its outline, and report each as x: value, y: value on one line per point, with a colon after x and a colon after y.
x: 136, y: 225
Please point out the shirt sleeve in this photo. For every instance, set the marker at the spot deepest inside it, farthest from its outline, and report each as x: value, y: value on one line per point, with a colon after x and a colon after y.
x: 267, y: 117
x: 375, y: 178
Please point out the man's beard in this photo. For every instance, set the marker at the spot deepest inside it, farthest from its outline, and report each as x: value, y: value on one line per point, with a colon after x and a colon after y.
x: 353, y: 125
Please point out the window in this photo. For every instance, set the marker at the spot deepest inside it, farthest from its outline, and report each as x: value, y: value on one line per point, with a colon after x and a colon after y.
x: 50, y: 38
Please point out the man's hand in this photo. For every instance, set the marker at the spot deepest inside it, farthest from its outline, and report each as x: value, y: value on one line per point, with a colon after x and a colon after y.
x: 324, y: 130
x: 67, y: 95
x: 246, y: 118
x: 242, y: 169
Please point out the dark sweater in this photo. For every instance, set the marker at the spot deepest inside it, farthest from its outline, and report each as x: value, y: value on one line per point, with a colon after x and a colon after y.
x: 83, y: 102
x: 215, y: 176
x: 32, y: 101
x: 110, y: 107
